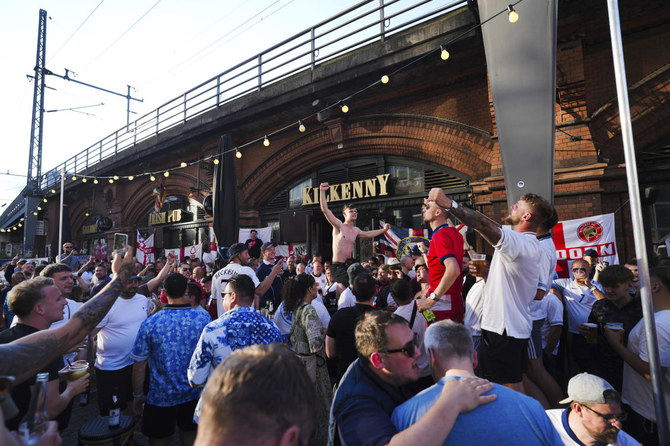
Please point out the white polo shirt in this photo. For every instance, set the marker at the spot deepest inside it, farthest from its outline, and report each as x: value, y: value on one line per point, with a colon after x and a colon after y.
x: 512, y: 284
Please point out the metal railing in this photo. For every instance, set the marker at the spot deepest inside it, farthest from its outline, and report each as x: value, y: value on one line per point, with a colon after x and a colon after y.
x: 361, y: 24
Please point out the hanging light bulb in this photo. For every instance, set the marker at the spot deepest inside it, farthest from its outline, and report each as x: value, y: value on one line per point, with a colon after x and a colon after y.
x: 62, y: 174
x: 22, y: 218
x: 345, y: 108
x: 512, y: 15
x: 116, y: 178
x: 183, y: 164
x: 152, y: 178
x: 87, y: 214
x: 53, y: 191
x: 301, y: 127
x: 39, y: 208
x: 238, y: 154
x: 215, y: 161
x: 95, y: 181
x: 74, y: 178
x: 266, y: 141
x: 20, y: 225
x: 83, y: 180
x: 385, y: 79
x: 166, y: 174
x: 131, y: 178
x: 45, y: 200
x: 111, y: 180
x: 444, y: 54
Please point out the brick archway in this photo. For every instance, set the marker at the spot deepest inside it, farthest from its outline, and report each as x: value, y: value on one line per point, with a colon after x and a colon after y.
x: 432, y: 140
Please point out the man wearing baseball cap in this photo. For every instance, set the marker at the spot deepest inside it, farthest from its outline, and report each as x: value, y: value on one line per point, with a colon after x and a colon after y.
x: 239, y: 259
x: 594, y: 416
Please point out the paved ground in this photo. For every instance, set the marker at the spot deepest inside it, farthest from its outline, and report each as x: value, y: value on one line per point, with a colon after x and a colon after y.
x: 81, y: 415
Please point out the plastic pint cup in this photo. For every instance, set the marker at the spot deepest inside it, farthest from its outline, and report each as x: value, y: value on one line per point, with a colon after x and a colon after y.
x: 592, y: 335
x: 77, y: 370
x: 479, y: 260
x: 616, y: 326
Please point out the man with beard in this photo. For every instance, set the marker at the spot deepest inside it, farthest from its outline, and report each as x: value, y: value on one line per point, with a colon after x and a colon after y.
x: 512, y: 283
x: 102, y: 279
x: 594, y: 416
x: 344, y: 236
x: 116, y: 335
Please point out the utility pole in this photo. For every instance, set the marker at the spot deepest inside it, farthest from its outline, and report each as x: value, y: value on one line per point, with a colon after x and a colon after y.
x: 36, y: 131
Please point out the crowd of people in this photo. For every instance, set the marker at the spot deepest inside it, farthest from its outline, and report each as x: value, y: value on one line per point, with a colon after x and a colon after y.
x: 425, y: 348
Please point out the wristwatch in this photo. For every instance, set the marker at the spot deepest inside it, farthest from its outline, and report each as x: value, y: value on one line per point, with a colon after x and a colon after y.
x: 454, y: 205
x: 433, y: 297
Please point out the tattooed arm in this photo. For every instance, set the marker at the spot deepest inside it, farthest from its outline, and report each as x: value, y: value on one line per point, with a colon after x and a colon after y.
x: 24, y: 357
x: 476, y: 220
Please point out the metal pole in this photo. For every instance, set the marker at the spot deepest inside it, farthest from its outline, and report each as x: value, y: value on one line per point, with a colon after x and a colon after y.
x: 60, y: 218
x: 636, y: 217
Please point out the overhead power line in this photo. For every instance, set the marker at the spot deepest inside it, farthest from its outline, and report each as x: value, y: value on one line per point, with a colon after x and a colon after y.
x: 76, y: 30
x: 121, y: 36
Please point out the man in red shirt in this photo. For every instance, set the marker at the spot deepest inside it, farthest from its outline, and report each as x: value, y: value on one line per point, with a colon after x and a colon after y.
x: 444, y: 260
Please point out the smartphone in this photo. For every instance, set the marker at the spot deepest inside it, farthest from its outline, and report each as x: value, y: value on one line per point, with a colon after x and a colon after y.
x: 120, y: 243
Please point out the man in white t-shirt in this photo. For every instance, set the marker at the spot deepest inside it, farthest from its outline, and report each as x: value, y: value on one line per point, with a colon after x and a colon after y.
x: 116, y: 335
x: 594, y: 416
x: 578, y: 295
x: 239, y: 258
x: 637, y: 388
x: 208, y: 257
x: 511, y: 284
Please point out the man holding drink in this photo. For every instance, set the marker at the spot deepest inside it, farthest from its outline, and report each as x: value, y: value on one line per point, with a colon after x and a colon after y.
x: 444, y: 259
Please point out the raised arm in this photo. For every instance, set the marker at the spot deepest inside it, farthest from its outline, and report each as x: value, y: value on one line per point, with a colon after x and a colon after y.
x: 28, y: 355
x: 324, y: 207
x: 167, y: 268
x: 476, y: 220
x: 375, y: 233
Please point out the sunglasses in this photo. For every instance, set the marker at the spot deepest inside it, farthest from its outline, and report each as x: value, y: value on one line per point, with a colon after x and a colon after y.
x: 408, y: 349
x: 610, y: 417
x: 578, y: 270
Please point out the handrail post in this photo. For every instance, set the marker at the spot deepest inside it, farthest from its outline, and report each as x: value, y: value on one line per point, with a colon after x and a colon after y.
x: 313, y: 51
x: 158, y: 120
x: 116, y: 142
x: 218, y: 90
x: 100, y: 151
x: 184, y: 107
x: 381, y: 19
x: 260, y: 71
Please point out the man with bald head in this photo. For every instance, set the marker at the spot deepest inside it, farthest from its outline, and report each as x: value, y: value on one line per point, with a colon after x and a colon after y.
x: 579, y: 295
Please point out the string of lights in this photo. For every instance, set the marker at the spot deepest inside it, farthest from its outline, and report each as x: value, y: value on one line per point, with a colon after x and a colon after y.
x: 343, y: 104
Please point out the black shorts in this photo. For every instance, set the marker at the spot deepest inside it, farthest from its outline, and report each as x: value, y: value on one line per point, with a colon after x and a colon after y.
x: 159, y: 422
x: 338, y: 271
x: 502, y: 359
x: 107, y: 380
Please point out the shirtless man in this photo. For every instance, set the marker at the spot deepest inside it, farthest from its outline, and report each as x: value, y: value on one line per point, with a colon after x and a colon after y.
x: 344, y: 237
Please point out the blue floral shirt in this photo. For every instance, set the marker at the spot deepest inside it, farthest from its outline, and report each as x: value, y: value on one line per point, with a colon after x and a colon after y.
x: 236, y: 328
x: 168, y: 338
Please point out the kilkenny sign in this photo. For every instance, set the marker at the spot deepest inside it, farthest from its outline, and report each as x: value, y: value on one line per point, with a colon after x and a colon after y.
x: 371, y: 187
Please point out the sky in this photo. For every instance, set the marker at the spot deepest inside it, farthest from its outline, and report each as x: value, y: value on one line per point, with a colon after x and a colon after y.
x: 160, y: 47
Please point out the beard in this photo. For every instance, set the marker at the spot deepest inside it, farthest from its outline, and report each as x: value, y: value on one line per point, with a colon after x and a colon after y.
x: 609, y: 435
x: 509, y: 220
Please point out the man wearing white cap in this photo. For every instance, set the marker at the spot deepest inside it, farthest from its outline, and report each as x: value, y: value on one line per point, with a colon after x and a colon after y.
x: 594, y: 416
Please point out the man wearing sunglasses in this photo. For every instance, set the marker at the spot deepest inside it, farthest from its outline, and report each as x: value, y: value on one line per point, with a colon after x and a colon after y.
x: 594, y: 416
x: 378, y: 381
x: 579, y: 295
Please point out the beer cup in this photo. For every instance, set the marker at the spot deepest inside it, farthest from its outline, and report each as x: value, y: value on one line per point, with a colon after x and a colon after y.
x: 479, y: 261
x: 592, y: 335
x: 77, y: 370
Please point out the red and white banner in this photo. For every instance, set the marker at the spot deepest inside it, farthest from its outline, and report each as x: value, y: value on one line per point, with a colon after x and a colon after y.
x: 145, y: 249
x: 573, y: 237
x: 194, y: 251
x: 176, y: 251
